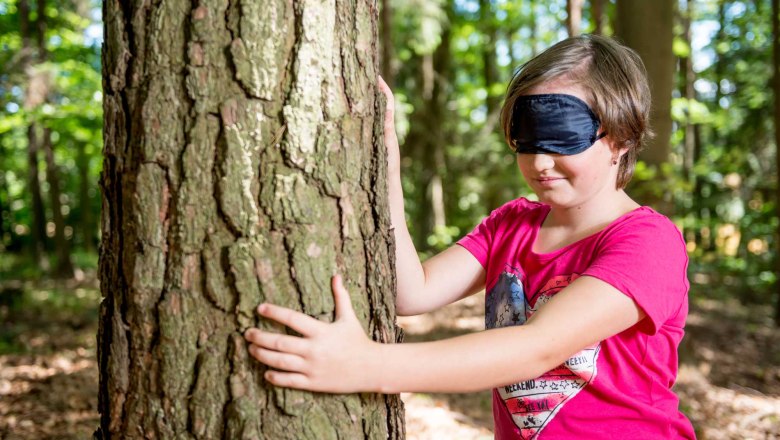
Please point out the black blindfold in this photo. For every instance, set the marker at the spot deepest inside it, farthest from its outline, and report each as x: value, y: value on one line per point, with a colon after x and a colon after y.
x: 553, y: 123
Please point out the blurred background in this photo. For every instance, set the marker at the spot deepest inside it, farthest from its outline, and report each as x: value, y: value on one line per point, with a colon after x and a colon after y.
x: 712, y: 169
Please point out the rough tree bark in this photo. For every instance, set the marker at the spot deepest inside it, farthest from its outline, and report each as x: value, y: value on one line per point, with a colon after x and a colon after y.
x: 243, y: 163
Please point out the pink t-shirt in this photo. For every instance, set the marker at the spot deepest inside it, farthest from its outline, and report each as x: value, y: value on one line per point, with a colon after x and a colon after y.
x: 619, y: 388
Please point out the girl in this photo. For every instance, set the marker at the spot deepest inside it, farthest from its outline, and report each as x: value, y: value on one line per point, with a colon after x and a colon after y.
x: 586, y: 290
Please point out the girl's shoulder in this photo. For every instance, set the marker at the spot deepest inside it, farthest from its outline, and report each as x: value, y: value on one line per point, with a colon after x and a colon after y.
x: 647, y: 226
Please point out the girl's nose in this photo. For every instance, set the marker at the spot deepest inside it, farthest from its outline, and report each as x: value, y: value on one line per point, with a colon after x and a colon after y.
x: 543, y: 161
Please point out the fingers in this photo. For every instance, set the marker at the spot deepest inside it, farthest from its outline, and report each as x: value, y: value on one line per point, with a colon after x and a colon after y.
x: 275, y: 359
x: 342, y: 299
x: 277, y: 342
x: 303, y: 324
x: 288, y: 380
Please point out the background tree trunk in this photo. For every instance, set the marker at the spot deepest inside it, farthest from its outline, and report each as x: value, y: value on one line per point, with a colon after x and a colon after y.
x: 647, y: 27
x: 243, y: 162
x: 64, y: 267
x: 573, y: 16
x: 776, y: 87
x: 32, y: 99
x: 489, y: 63
x: 428, y: 138
x: 686, y: 80
x: 388, y: 55
x: 597, y: 14
x: 86, y: 222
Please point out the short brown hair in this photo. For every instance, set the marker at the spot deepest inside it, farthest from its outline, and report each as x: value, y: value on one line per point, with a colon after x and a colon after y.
x: 614, y: 77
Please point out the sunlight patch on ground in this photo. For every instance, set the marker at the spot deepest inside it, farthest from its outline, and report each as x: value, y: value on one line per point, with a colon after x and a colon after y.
x: 726, y: 413
x: 429, y: 418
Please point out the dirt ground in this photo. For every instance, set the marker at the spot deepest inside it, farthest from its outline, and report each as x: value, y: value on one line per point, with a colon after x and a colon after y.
x: 729, y: 380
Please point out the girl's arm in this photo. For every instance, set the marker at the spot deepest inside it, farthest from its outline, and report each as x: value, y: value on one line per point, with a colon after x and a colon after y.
x: 442, y: 279
x: 339, y: 358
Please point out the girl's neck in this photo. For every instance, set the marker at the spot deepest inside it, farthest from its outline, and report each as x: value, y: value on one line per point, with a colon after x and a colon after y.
x: 590, y: 215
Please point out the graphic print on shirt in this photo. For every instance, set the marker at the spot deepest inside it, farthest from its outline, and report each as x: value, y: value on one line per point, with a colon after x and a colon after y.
x: 534, y: 403
x: 506, y: 304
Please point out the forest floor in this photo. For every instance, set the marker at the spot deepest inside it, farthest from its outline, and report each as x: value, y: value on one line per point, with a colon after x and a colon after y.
x: 729, y: 380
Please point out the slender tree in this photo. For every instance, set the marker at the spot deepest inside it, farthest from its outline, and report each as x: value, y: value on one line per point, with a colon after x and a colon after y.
x: 597, y: 12
x: 686, y: 80
x: 64, y: 267
x: 243, y: 162
x: 489, y: 63
x: 776, y: 87
x: 386, y: 31
x: 33, y: 97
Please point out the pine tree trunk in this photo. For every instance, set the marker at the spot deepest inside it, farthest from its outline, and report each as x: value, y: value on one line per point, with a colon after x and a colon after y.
x: 243, y: 162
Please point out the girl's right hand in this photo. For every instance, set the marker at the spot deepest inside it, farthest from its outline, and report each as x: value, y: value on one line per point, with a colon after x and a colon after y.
x: 391, y: 140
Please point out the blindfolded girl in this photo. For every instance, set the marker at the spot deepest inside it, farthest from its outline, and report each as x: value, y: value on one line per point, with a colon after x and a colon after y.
x: 586, y: 291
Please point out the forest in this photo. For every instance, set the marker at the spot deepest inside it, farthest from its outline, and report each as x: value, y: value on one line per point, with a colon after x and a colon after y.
x: 714, y: 66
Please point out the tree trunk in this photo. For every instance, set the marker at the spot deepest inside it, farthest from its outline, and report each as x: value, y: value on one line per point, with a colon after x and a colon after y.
x: 38, y: 226
x: 647, y: 27
x: 427, y: 139
x: 573, y: 16
x: 38, y: 235
x: 720, y: 62
x: 776, y: 87
x: 5, y: 209
x: 532, y: 40
x: 489, y: 64
x: 85, y: 220
x: 597, y: 12
x: 687, y: 78
x: 386, y: 28
x: 64, y: 267
x: 243, y: 162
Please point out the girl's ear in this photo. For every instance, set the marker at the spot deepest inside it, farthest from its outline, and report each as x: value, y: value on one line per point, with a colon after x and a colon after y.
x: 617, y: 152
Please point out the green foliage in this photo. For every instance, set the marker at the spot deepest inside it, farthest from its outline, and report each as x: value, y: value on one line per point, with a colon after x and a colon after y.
x: 72, y: 111
x: 724, y: 202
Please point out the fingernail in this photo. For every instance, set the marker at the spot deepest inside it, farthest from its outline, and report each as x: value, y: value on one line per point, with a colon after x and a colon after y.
x: 261, y: 308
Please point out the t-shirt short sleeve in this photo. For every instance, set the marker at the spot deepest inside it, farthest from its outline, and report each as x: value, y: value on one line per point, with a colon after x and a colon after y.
x: 645, y: 259
x: 479, y: 241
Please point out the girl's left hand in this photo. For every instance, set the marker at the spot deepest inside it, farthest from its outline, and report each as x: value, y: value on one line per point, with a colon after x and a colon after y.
x: 333, y: 357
